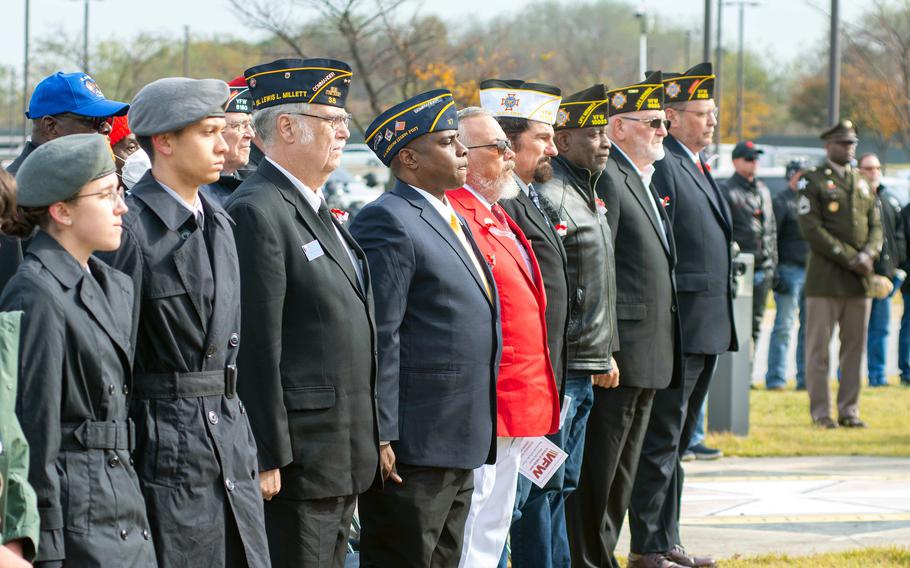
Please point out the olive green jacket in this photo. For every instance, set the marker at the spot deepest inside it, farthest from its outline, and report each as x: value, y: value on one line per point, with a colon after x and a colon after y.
x: 839, y: 218
x: 18, y: 505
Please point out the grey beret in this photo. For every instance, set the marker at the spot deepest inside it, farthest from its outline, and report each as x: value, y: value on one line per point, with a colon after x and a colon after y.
x: 58, y: 169
x: 169, y: 104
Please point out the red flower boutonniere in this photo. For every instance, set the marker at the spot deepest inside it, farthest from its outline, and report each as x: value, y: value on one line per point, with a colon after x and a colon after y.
x: 665, y: 201
x: 340, y: 216
x: 488, y: 223
x: 707, y: 167
x: 491, y: 259
x: 561, y: 229
x: 601, y: 206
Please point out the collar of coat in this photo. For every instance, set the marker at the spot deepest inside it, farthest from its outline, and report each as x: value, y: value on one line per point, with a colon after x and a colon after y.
x: 58, y: 261
x: 171, y: 213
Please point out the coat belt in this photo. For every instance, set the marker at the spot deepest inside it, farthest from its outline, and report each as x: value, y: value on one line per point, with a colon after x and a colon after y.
x: 98, y: 435
x: 186, y: 385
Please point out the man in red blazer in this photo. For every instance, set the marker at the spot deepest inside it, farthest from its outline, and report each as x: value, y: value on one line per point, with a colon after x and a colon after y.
x: 527, y: 397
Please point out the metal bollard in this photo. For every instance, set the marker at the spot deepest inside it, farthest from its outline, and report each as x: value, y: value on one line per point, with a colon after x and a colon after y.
x: 728, y: 395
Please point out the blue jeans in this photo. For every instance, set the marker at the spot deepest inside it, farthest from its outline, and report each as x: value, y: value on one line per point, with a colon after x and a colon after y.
x: 698, y: 436
x: 903, y: 341
x: 877, y: 341
x: 538, y: 535
x: 792, y: 298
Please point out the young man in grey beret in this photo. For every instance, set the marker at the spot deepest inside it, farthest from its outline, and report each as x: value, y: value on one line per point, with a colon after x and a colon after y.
x: 195, y: 456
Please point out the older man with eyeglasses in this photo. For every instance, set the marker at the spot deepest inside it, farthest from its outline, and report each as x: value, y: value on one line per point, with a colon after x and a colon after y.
x: 238, y: 134
x: 649, y: 350
x: 61, y: 104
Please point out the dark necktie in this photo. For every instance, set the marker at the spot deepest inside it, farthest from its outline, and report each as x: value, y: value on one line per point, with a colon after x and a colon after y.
x: 535, y: 199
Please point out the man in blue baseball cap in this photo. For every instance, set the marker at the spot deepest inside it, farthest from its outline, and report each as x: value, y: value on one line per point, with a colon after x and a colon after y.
x: 61, y: 104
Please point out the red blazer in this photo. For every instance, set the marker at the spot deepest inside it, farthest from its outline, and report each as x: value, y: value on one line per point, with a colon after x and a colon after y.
x: 527, y: 400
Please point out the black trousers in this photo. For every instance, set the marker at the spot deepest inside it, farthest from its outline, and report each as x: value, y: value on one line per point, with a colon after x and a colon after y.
x: 418, y: 523
x: 656, y: 496
x: 595, y: 511
x: 311, y: 533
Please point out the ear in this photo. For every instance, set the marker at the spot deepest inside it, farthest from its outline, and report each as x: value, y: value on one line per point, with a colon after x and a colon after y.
x: 285, y: 127
x: 408, y: 159
x: 164, y: 143
x: 562, y: 139
x: 49, y: 126
x: 60, y: 213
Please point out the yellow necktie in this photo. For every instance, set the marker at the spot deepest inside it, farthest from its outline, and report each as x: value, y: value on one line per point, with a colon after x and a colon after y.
x: 456, y: 226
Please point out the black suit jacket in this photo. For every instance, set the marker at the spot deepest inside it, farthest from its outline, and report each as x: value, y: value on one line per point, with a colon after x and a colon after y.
x: 439, y: 334
x: 307, y: 365
x: 702, y: 232
x: 650, y: 354
x: 551, y: 256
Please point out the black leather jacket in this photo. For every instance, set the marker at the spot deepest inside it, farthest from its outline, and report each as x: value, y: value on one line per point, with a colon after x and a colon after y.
x: 580, y: 219
x: 894, y: 247
x: 754, y: 229
x: 792, y: 248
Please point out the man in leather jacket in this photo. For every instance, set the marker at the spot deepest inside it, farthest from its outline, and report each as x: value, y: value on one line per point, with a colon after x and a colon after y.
x: 754, y: 229
x: 579, y: 216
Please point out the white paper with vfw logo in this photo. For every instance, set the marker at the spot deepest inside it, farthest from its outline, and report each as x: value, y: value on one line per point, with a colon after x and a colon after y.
x: 540, y: 459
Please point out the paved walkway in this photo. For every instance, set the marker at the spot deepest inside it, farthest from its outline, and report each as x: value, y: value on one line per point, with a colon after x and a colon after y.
x: 796, y: 506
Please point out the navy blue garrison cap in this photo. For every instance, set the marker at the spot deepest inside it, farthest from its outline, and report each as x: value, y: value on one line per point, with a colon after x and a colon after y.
x: 427, y: 112
x: 285, y: 81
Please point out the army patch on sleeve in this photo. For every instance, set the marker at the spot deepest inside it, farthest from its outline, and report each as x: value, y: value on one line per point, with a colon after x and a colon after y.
x: 803, y: 206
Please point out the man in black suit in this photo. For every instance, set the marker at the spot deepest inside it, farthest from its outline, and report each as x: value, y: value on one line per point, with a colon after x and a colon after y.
x: 308, y: 362
x: 526, y: 112
x: 702, y: 232
x: 439, y: 341
x: 649, y: 349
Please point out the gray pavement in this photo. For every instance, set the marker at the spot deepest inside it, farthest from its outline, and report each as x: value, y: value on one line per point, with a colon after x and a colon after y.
x: 795, y: 506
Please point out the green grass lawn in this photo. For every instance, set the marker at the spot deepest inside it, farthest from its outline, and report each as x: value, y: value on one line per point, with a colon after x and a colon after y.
x: 866, y: 558
x: 779, y: 425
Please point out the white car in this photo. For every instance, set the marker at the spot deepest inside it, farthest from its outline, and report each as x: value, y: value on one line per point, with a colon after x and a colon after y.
x: 360, y: 161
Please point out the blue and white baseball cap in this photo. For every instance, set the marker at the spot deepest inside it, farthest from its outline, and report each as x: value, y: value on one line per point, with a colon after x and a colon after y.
x: 72, y: 92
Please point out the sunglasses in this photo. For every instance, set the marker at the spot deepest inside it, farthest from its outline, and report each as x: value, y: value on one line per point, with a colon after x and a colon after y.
x: 750, y: 158
x: 93, y: 122
x: 654, y: 123
x: 500, y: 145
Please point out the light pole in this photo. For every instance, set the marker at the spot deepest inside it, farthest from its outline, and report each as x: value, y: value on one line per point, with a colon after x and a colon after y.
x: 834, y: 65
x: 642, y: 43
x: 706, y: 51
x: 718, y: 66
x: 85, y: 35
x: 741, y: 66
x: 25, y: 76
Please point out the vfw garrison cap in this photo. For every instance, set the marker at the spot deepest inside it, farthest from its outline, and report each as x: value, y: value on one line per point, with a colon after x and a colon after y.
x: 647, y: 95
x: 589, y: 107
x: 57, y: 169
x: 286, y: 81
x: 696, y: 84
x: 396, y: 127
x: 518, y: 99
x: 172, y: 103
x: 240, y: 99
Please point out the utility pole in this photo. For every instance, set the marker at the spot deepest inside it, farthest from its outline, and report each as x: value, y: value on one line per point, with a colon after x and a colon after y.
x: 642, y: 43
x: 85, y: 37
x: 834, y: 65
x: 718, y: 66
x: 25, y: 76
x: 706, y: 32
x: 186, y: 51
x: 741, y: 66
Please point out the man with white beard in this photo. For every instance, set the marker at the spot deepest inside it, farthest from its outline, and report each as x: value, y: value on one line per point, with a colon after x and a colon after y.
x: 649, y: 352
x: 527, y: 398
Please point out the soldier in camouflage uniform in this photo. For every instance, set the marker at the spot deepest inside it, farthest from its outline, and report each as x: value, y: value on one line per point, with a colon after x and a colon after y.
x: 839, y: 219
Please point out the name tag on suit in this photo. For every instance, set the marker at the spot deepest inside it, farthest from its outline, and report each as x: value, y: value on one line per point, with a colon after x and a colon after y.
x: 313, y: 250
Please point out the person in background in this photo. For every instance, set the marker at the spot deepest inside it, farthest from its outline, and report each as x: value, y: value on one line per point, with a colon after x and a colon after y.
x: 238, y: 134
x: 792, y: 255
x: 123, y: 142
x: 887, y: 265
x: 754, y: 229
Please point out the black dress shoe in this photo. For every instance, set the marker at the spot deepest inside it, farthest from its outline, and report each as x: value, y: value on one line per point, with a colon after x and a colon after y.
x: 826, y: 423
x: 681, y: 557
x: 851, y: 422
x: 653, y: 560
x: 703, y: 452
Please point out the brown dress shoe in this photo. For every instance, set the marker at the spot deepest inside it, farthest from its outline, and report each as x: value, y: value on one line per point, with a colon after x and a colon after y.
x: 679, y: 556
x: 826, y: 423
x: 653, y: 560
x: 851, y: 422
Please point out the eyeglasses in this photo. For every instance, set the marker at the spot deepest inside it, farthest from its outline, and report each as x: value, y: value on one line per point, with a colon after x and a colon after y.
x: 654, y: 123
x: 240, y: 127
x: 500, y: 145
x: 93, y: 122
x: 336, y: 121
x: 702, y: 114
x: 114, y: 196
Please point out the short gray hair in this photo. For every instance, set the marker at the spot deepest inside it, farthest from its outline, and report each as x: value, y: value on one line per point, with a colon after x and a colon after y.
x: 265, y: 120
x: 470, y: 112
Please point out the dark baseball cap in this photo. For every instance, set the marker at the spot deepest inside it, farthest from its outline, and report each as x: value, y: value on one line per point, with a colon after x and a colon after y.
x: 746, y: 149
x: 72, y: 92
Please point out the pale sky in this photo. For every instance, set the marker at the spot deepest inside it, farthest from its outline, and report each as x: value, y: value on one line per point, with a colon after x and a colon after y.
x: 781, y: 28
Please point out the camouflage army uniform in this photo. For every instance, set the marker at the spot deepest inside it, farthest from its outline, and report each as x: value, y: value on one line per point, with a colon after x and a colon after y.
x: 839, y: 219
